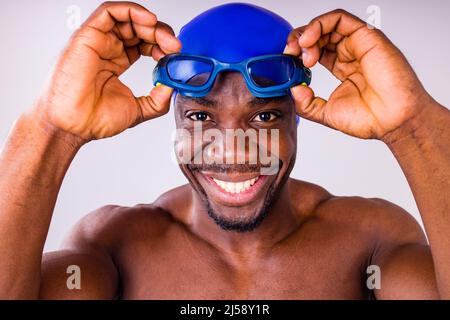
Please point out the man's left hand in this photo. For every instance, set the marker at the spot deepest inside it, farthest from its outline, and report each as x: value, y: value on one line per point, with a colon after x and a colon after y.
x: 379, y: 94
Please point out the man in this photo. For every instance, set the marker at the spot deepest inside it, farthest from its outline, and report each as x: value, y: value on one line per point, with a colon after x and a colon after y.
x: 284, y: 239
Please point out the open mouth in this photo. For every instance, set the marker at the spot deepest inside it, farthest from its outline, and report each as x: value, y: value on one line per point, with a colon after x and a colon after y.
x: 235, y: 190
x: 235, y: 187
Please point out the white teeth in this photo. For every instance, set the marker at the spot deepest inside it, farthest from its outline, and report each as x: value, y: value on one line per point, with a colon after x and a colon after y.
x: 237, y: 187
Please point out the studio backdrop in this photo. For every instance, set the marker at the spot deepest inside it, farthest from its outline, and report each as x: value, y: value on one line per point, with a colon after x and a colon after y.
x: 137, y: 166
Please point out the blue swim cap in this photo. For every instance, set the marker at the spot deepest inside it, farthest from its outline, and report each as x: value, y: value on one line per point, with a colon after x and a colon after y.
x: 235, y: 32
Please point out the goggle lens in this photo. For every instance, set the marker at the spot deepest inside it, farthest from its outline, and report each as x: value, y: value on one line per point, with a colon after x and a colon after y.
x: 195, y: 72
x: 271, y: 71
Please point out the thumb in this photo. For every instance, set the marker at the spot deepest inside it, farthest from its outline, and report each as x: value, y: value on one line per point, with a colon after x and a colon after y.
x: 156, y: 104
x: 307, y: 105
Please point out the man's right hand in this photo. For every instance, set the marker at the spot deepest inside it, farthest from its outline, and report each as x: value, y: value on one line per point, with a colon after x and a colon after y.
x: 84, y: 96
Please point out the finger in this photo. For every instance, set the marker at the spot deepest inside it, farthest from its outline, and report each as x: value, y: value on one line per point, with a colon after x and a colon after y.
x: 165, y: 38
x: 151, y: 50
x: 292, y: 46
x: 157, y: 53
x: 131, y: 22
x: 326, y: 31
x: 307, y: 105
x: 328, y: 60
x: 109, y: 13
x: 133, y: 54
x: 162, y: 34
x: 310, y: 55
x: 156, y: 104
x: 146, y: 49
x: 105, y: 45
x: 338, y: 21
x: 125, y: 31
x: 335, y: 38
x: 324, y: 41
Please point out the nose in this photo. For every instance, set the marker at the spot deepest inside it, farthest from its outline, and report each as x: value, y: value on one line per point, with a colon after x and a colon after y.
x: 231, y: 146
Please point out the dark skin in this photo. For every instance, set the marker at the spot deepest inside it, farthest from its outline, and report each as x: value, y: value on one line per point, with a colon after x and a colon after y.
x: 311, y: 244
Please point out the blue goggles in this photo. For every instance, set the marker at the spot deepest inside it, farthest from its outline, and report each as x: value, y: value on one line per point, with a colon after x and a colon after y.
x: 266, y: 76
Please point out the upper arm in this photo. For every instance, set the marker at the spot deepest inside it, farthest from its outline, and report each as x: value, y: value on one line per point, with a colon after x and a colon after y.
x: 85, y: 260
x: 403, y: 255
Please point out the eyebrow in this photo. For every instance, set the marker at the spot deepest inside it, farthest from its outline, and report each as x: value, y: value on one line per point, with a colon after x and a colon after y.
x: 201, y: 101
x: 205, y: 102
x: 254, y: 102
x: 260, y: 102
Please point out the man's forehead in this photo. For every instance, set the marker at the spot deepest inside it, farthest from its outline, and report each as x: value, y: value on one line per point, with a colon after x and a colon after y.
x: 227, y: 86
x: 230, y: 83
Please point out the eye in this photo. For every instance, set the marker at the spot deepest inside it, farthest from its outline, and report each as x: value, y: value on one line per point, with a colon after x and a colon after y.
x: 265, y: 116
x: 199, y: 116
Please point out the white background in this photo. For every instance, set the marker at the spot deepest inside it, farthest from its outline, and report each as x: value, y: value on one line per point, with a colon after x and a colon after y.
x: 136, y: 167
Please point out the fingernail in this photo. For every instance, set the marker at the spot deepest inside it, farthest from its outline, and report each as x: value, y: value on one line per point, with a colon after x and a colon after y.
x: 295, y: 90
x: 166, y: 88
x: 305, y: 53
x: 163, y: 89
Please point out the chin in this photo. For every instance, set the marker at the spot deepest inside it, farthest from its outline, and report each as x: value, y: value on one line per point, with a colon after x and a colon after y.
x: 239, y: 219
x: 236, y: 200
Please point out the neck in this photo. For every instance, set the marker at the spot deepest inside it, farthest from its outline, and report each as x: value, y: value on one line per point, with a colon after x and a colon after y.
x: 279, y: 223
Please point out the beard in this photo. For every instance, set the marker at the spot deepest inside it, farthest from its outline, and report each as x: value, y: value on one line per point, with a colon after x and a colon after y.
x: 244, y: 223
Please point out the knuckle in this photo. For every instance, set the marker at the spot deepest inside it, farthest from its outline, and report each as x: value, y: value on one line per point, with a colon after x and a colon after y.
x: 165, y: 27
x: 368, y: 34
x: 340, y: 11
x: 106, y: 4
x: 313, y: 20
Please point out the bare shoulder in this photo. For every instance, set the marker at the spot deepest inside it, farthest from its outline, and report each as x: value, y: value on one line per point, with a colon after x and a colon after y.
x: 369, y: 213
x: 387, y: 235
x: 397, y: 245
x: 110, y: 226
x: 380, y: 220
x: 391, y: 238
x: 90, y: 249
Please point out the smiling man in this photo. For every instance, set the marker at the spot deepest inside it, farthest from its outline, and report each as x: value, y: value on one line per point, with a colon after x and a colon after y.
x: 239, y: 229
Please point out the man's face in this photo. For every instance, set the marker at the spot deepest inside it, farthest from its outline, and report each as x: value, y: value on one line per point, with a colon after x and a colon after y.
x: 233, y: 180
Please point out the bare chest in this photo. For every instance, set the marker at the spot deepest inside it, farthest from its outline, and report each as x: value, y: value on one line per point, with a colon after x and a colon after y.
x: 176, y: 271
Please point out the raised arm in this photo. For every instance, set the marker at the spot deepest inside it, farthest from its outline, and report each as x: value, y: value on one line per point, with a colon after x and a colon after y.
x: 380, y: 97
x: 422, y: 148
x: 83, y: 101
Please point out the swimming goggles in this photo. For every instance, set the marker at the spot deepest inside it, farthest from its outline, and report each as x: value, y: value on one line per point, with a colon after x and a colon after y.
x: 265, y: 76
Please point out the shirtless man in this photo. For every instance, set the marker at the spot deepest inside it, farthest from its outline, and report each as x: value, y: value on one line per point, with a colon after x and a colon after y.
x: 296, y: 241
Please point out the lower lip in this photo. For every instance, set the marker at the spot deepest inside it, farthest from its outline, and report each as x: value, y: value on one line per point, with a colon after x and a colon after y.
x: 235, y: 199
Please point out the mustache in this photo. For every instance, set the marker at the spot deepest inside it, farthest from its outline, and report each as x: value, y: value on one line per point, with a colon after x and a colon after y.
x: 228, y: 168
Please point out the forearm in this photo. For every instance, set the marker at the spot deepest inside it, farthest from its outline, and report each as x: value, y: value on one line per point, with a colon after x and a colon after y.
x: 33, y: 163
x: 424, y: 156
